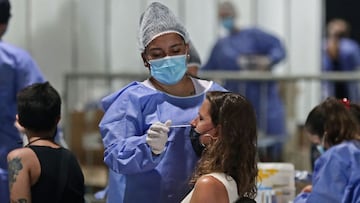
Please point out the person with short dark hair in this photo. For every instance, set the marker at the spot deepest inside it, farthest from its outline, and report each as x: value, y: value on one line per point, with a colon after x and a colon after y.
x: 43, y: 171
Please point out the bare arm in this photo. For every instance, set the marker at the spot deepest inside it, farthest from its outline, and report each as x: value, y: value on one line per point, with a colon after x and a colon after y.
x: 307, y: 188
x: 19, y: 178
x: 210, y: 190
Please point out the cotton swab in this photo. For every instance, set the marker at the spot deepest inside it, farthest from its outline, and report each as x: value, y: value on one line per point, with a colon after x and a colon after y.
x: 180, y: 126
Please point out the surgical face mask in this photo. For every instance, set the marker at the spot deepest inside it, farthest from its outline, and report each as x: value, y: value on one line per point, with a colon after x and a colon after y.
x: 195, y: 140
x: 228, y: 23
x: 320, y: 148
x: 168, y: 70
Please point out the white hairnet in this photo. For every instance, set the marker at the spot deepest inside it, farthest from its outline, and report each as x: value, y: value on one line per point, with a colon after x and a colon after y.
x: 158, y: 20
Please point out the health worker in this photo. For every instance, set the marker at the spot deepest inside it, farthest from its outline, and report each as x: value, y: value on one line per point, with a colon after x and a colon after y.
x: 145, y: 128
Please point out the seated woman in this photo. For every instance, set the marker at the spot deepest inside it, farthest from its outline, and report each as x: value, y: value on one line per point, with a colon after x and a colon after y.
x: 227, y: 169
x: 336, y: 176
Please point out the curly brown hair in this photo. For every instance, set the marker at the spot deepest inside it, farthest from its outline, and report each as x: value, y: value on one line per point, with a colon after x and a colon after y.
x: 235, y: 151
x: 333, y: 118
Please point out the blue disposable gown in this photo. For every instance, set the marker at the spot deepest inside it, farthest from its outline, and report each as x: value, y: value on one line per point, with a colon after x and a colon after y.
x: 336, y: 177
x: 263, y: 95
x: 136, y: 175
x: 349, y: 60
x: 17, y: 70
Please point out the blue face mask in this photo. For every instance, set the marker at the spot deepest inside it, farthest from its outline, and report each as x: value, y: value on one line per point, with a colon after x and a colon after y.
x: 168, y: 70
x: 228, y: 23
x: 320, y: 148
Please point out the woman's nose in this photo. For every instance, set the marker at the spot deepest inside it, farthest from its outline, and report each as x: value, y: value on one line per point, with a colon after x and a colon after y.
x: 193, y: 122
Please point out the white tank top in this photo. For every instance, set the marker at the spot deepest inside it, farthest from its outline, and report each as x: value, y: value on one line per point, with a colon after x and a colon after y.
x: 227, y: 181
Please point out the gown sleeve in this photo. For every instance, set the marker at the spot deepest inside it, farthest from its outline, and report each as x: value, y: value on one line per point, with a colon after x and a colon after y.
x: 271, y: 46
x: 27, y: 71
x: 124, y: 135
x: 331, y: 178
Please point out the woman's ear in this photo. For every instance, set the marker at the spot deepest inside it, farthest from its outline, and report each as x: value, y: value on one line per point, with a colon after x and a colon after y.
x: 18, y: 125
x: 146, y: 63
x: 187, y: 51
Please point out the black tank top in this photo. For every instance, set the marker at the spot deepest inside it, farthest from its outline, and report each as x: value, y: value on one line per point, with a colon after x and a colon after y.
x: 47, y: 186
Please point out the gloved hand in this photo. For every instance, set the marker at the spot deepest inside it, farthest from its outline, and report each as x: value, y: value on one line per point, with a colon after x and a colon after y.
x: 157, y: 136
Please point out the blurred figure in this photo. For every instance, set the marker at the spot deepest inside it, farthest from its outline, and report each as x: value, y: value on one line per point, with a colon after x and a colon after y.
x: 145, y: 124
x: 252, y: 50
x: 43, y: 171
x: 336, y: 177
x: 227, y: 170
x: 194, y: 61
x: 340, y: 53
x: 17, y: 70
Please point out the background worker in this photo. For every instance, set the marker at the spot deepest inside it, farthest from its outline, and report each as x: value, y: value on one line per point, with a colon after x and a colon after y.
x: 340, y: 53
x: 17, y: 70
x: 252, y: 49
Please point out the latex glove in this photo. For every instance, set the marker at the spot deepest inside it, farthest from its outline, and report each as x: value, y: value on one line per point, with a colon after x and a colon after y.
x: 254, y: 62
x: 157, y: 136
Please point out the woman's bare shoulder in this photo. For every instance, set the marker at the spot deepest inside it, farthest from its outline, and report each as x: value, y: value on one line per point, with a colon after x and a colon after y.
x: 209, y: 189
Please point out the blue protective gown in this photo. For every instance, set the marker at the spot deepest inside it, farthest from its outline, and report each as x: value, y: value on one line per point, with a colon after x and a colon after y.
x: 136, y: 175
x: 349, y: 60
x: 17, y: 70
x: 224, y: 56
x: 336, y: 177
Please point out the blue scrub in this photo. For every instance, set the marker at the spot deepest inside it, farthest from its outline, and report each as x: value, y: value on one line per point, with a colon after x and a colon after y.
x: 17, y: 70
x: 136, y: 175
x: 348, y: 60
x: 336, y: 178
x: 224, y: 56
